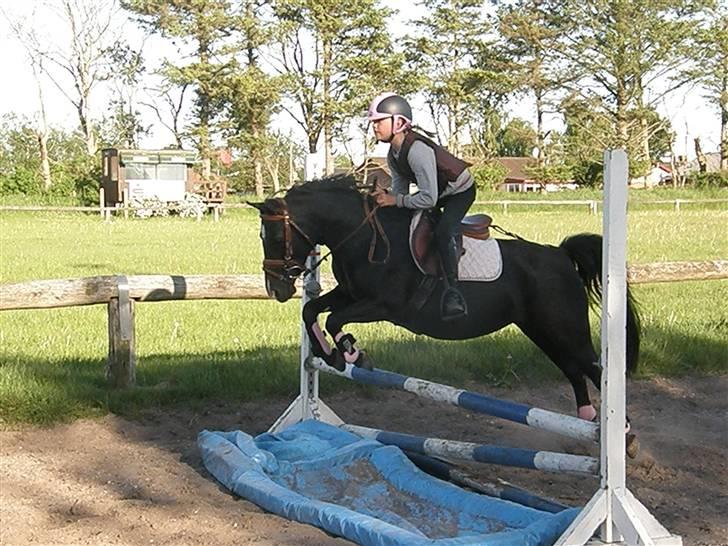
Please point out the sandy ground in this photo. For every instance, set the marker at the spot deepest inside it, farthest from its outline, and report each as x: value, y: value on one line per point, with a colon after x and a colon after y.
x: 115, y: 481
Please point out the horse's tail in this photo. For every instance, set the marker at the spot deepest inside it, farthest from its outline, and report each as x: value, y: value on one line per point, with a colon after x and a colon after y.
x: 585, y: 251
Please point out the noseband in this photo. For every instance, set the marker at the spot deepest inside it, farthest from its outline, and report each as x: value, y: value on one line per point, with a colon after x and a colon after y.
x: 289, y: 269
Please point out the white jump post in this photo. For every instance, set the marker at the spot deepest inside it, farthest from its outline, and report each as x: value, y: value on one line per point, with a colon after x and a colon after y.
x: 613, y: 514
x: 308, y: 405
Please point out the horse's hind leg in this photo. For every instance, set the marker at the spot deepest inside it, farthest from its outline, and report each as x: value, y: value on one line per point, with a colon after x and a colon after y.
x: 573, y: 353
x: 569, y: 346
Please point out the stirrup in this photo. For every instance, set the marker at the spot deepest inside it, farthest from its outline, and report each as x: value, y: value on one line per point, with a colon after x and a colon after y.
x: 462, y: 312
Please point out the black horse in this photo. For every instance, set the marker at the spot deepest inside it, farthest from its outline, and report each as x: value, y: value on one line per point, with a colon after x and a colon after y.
x: 545, y: 290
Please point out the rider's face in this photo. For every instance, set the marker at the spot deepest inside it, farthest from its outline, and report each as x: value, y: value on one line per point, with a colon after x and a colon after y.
x: 383, y: 128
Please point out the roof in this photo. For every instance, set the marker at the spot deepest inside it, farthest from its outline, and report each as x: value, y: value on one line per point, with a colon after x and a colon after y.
x: 187, y: 157
x: 712, y: 163
x: 516, y: 167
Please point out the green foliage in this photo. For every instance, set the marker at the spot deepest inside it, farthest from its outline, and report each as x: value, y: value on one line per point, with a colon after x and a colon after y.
x: 74, y: 173
x: 709, y: 180
x: 551, y: 172
x: 620, y: 49
x: 207, y: 24
x: 488, y: 175
x: 516, y: 139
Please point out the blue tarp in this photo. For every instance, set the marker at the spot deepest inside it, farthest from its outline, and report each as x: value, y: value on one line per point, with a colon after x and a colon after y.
x: 366, y: 492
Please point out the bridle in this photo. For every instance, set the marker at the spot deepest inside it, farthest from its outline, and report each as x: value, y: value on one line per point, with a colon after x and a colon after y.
x: 289, y: 269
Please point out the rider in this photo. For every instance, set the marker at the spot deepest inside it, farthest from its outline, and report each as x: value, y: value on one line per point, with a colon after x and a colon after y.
x: 443, y: 181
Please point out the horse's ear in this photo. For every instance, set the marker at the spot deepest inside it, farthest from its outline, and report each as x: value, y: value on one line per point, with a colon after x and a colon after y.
x: 260, y: 206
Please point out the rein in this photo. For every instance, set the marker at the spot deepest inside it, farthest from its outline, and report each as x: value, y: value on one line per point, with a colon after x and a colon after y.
x: 292, y: 269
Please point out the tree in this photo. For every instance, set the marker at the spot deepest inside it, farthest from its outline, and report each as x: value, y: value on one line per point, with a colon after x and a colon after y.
x: 710, y: 68
x: 587, y: 135
x: 251, y: 96
x: 336, y: 56
x: 124, y: 127
x: 75, y: 174
x: 458, y: 69
x: 170, y: 114
x: 516, y: 139
x: 77, y: 66
x: 207, y: 24
x: 85, y: 59
x: 530, y: 32
x: 623, y: 48
x: 29, y: 38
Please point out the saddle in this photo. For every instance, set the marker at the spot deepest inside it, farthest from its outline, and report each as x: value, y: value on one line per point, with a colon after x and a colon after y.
x: 424, y: 251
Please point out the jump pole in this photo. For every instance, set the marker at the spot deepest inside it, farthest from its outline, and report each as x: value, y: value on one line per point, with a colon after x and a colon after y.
x: 481, y: 453
x: 613, y: 514
x: 566, y: 425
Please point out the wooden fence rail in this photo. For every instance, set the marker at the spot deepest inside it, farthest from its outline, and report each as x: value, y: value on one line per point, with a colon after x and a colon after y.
x: 120, y: 293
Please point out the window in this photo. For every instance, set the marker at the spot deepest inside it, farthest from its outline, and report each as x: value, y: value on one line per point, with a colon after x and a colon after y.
x: 139, y: 171
x: 171, y: 171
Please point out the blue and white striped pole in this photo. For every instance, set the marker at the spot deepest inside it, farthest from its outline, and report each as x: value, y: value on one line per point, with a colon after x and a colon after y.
x: 481, y: 453
x: 565, y: 425
x: 502, y: 490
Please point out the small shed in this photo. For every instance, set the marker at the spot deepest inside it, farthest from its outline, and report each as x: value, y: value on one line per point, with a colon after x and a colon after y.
x: 165, y: 175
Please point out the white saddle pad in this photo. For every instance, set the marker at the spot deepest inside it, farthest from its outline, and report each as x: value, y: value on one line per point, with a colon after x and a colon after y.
x: 482, y: 260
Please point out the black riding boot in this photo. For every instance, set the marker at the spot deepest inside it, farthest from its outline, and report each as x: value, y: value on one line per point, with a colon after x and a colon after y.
x: 452, y: 305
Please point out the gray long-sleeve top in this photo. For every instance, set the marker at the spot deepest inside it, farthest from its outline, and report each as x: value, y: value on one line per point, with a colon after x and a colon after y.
x: 421, y: 160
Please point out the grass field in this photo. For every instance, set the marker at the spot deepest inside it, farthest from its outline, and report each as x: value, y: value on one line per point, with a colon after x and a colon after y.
x: 52, y: 361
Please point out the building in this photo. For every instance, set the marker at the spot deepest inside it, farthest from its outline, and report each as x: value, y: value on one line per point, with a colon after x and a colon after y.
x: 517, y: 178
x: 165, y: 175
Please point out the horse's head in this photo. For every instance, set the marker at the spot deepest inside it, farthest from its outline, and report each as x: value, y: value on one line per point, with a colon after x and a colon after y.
x: 285, y: 248
x: 316, y: 212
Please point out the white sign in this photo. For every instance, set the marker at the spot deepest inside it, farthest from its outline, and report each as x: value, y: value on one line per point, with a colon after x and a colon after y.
x: 164, y: 190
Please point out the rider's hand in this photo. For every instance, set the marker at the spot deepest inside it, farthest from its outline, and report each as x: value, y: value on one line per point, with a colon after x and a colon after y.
x: 383, y: 198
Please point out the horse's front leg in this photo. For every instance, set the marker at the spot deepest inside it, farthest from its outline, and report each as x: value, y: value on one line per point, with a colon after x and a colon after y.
x: 361, y: 311
x: 330, y: 301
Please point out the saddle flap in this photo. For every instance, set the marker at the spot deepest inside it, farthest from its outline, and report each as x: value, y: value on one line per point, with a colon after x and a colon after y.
x: 421, y: 243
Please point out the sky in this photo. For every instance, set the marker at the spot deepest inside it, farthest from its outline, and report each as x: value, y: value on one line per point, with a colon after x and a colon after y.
x: 688, y: 110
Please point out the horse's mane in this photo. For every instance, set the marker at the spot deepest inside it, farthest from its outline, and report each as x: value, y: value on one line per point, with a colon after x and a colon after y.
x: 334, y: 183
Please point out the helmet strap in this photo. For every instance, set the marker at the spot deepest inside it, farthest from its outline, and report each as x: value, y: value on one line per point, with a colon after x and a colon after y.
x: 391, y: 133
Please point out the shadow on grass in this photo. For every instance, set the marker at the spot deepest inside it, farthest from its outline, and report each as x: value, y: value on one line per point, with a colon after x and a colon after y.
x: 671, y: 352
x: 55, y: 390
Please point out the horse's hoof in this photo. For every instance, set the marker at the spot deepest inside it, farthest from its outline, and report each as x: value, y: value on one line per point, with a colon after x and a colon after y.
x: 363, y: 361
x: 633, y: 445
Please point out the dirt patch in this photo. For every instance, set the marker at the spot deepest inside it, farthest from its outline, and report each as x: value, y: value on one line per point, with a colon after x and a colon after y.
x: 115, y: 481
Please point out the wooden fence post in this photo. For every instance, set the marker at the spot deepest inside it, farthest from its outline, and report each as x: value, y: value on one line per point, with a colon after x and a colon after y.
x: 121, y: 364
x: 102, y: 202
x: 126, y: 203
